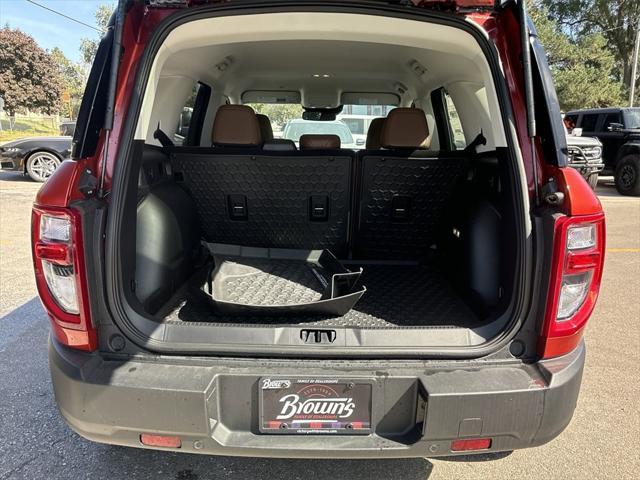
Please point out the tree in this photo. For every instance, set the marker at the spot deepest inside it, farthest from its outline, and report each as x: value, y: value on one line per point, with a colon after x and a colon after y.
x: 617, y: 20
x: 584, y: 71
x: 89, y: 46
x: 29, y: 78
x: 73, y: 80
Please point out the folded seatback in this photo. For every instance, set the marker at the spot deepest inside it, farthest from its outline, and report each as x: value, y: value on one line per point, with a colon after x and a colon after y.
x: 403, y: 190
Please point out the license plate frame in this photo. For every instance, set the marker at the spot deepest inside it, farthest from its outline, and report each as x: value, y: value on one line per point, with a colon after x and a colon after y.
x: 315, y: 406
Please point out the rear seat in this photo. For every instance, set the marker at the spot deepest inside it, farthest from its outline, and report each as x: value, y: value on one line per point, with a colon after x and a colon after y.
x: 374, y: 133
x: 403, y: 190
x: 319, y: 142
x: 251, y: 196
x: 265, y: 127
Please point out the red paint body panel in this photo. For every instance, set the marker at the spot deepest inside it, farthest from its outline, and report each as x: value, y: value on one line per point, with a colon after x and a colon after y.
x: 140, y: 23
x: 59, y: 190
x: 579, y: 198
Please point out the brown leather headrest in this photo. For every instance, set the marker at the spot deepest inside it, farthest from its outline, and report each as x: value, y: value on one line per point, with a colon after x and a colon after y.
x: 319, y: 142
x: 374, y: 133
x: 265, y: 127
x: 236, y: 125
x: 405, y: 128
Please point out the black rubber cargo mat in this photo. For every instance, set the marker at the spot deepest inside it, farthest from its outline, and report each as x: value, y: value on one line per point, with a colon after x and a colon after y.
x: 397, y: 296
x: 273, y: 281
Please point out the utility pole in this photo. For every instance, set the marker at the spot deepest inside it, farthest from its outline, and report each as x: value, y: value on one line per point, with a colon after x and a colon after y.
x: 634, y: 67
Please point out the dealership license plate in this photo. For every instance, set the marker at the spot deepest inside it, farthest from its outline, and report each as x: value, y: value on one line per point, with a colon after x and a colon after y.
x: 315, y: 406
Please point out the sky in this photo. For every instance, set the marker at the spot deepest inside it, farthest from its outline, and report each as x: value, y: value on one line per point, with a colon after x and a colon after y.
x: 51, y: 30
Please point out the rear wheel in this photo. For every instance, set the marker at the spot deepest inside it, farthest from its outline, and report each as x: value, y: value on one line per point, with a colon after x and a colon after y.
x: 627, y: 175
x: 592, y: 180
x: 41, y: 165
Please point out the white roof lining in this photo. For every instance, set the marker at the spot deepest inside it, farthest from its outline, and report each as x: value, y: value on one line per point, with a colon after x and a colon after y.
x: 193, y: 50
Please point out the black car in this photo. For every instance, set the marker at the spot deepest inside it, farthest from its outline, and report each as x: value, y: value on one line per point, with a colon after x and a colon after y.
x: 37, y: 157
x: 619, y: 131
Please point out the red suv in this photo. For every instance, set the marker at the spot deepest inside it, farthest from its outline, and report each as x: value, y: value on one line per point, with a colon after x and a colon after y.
x: 215, y: 288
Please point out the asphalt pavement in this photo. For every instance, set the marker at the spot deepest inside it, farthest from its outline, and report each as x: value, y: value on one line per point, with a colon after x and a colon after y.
x: 601, y: 441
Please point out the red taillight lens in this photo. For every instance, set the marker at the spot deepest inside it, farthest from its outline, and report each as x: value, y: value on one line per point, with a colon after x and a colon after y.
x: 58, y: 262
x: 578, y: 257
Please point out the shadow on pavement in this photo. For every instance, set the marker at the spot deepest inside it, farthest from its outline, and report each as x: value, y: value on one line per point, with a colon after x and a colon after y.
x: 123, y: 462
x: 11, y: 176
x: 479, y: 457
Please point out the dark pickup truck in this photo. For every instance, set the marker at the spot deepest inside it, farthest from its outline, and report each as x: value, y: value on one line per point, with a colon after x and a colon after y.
x: 619, y: 131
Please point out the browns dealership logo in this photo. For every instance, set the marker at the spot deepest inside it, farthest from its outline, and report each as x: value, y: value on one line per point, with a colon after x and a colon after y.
x: 319, y: 400
x: 268, y: 384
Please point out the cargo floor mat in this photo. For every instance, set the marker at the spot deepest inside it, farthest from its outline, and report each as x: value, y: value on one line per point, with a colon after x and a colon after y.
x: 248, y: 281
x: 397, y: 296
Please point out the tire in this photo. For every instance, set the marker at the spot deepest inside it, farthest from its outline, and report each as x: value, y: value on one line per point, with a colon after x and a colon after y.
x: 627, y: 175
x: 592, y: 180
x: 41, y: 165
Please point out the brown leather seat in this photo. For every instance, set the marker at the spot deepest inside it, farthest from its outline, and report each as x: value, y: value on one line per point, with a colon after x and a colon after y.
x: 405, y: 128
x: 265, y: 127
x: 374, y: 133
x: 319, y: 142
x: 236, y: 126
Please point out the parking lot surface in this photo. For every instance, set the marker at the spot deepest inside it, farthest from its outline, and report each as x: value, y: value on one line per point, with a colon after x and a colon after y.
x: 601, y: 441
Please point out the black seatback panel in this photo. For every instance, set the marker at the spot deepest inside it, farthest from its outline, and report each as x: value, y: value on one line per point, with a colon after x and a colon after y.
x: 402, y: 203
x: 278, y: 201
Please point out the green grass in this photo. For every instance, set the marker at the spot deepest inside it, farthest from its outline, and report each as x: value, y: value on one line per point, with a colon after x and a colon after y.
x: 27, y: 127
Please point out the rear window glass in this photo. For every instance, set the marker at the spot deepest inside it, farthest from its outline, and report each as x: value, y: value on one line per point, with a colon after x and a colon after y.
x: 280, y: 114
x: 356, y: 125
x: 286, y: 121
x: 632, y: 118
x: 457, y: 133
x: 296, y: 128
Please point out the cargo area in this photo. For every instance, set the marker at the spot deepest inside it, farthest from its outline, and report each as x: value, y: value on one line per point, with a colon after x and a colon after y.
x: 442, y: 260
x: 243, y: 230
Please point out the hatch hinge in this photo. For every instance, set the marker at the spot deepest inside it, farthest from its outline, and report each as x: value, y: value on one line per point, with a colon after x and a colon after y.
x: 88, y: 183
x: 550, y: 193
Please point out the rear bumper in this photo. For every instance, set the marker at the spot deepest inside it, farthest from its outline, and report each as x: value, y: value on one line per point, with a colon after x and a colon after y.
x: 418, y: 407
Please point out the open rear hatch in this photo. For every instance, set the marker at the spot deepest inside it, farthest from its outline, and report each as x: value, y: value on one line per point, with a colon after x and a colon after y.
x: 245, y: 249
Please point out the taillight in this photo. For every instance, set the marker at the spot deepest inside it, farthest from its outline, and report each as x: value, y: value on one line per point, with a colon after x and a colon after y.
x: 58, y: 262
x: 578, y: 257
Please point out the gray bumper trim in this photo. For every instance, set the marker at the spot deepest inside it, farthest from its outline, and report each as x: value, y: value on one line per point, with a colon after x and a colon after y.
x: 212, y: 403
